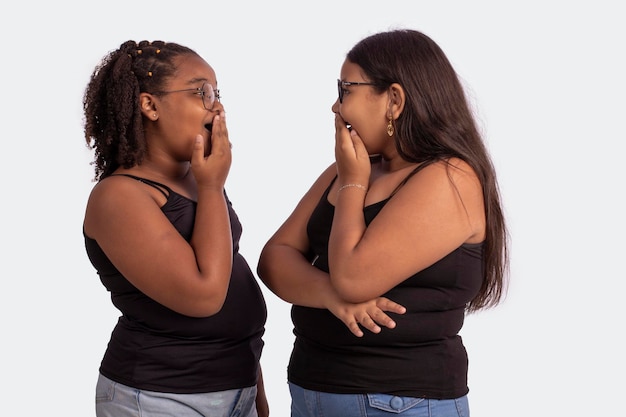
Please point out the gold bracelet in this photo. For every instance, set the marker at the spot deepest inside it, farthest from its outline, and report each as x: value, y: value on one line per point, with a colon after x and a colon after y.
x: 362, y: 187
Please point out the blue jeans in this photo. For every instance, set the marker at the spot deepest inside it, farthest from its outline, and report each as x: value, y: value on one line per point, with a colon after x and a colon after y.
x: 117, y: 400
x: 306, y: 403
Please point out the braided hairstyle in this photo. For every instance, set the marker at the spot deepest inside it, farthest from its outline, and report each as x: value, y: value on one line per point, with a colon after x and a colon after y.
x: 437, y: 124
x: 112, y: 115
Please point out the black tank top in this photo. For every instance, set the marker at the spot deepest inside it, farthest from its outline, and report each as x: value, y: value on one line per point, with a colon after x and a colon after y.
x: 157, y: 349
x: 422, y: 357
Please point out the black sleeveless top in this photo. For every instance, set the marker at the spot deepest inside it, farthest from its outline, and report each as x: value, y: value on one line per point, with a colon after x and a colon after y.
x: 157, y: 349
x: 422, y: 357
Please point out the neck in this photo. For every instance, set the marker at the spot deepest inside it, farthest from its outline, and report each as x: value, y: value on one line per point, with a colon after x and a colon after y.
x: 173, y: 171
x: 395, y: 163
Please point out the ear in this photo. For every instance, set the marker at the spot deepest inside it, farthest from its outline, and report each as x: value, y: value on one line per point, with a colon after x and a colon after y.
x: 147, y: 102
x: 397, y: 99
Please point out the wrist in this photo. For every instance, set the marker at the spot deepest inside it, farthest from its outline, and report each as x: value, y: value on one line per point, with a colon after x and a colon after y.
x: 354, y: 185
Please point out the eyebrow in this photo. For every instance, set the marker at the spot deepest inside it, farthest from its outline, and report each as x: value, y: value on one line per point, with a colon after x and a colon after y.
x: 199, y: 80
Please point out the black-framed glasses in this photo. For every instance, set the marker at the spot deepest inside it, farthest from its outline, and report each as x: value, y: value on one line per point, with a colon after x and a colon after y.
x: 341, y: 87
x: 207, y: 92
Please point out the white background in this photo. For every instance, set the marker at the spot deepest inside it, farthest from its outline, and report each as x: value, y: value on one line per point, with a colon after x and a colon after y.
x: 546, y: 79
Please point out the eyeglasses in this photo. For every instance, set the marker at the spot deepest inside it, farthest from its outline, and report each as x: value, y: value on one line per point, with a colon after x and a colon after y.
x: 207, y: 92
x: 342, y: 84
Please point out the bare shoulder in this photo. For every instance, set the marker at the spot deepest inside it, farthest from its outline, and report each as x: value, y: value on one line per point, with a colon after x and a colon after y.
x: 446, y: 185
x: 115, y: 190
x: 454, y: 172
x: 321, y: 183
x: 451, y: 187
x: 454, y: 167
x: 328, y: 174
x: 461, y: 169
x: 115, y: 197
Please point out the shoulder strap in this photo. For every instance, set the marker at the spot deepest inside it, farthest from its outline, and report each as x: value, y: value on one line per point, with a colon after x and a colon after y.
x: 329, y: 187
x: 161, y: 187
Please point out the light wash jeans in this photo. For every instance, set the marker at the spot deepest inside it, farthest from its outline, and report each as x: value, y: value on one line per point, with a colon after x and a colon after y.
x: 306, y: 403
x: 117, y: 400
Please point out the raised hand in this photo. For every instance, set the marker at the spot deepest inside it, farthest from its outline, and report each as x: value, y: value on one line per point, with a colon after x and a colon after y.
x: 353, y: 162
x: 210, y: 164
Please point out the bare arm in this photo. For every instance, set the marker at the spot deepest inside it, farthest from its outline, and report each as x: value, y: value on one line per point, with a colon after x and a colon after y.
x: 283, y: 265
x: 438, y: 209
x: 286, y: 271
x: 125, y: 218
x: 262, y: 405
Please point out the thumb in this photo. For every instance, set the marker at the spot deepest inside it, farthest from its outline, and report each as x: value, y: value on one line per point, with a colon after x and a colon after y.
x: 198, y: 150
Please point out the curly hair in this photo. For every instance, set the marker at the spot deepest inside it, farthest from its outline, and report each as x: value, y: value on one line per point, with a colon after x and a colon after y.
x: 113, y: 122
x: 437, y: 124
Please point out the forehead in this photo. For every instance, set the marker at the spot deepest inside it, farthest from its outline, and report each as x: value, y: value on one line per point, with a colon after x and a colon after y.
x: 192, y: 69
x: 351, y: 72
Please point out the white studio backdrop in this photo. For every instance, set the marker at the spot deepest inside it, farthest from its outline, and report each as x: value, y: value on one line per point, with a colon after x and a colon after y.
x: 545, y: 78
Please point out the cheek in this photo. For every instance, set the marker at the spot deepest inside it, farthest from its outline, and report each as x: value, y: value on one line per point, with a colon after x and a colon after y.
x: 367, y: 125
x: 352, y: 116
x: 374, y: 135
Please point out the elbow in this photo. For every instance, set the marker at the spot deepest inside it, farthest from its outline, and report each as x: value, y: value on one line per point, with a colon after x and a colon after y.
x: 348, y: 290
x: 269, y: 267
x: 205, y: 301
x: 343, y: 282
x: 268, y: 277
x: 204, y: 308
x: 352, y: 297
x: 263, y: 267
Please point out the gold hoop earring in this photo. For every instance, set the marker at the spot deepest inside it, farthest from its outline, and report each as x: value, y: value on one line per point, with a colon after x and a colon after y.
x: 390, y: 128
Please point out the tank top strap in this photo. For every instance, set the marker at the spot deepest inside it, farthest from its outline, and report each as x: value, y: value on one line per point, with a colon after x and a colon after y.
x: 329, y: 187
x: 164, y: 189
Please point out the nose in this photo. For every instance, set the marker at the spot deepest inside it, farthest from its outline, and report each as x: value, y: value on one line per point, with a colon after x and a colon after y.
x: 217, y: 107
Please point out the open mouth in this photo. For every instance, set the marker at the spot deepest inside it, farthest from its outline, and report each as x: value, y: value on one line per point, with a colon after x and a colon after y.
x: 209, y: 128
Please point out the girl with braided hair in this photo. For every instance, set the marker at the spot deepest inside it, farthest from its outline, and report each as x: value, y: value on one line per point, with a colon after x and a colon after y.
x: 164, y: 239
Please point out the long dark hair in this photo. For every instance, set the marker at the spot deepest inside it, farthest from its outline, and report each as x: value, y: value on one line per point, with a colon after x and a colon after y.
x: 112, y: 115
x: 437, y: 124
